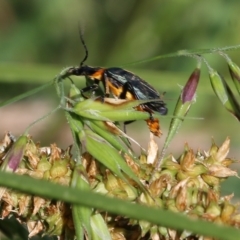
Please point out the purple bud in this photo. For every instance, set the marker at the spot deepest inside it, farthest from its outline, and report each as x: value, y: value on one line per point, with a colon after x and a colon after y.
x: 189, y: 90
x: 15, y: 154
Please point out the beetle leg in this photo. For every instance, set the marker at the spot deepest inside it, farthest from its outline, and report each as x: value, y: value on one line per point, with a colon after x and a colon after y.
x: 125, y: 124
x: 128, y: 122
x: 89, y: 88
x: 106, y: 83
x: 151, y: 116
x: 126, y: 87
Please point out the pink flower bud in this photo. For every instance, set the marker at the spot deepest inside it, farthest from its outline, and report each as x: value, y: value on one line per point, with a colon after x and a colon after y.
x: 15, y: 154
x: 189, y: 90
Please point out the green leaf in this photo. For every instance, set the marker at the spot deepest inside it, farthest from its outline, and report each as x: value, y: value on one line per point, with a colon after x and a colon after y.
x: 110, y: 135
x: 235, y: 73
x: 110, y: 104
x: 224, y: 93
x: 101, y: 150
x: 117, y: 115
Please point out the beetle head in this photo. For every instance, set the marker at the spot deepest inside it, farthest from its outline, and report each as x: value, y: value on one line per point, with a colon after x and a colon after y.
x: 91, y: 72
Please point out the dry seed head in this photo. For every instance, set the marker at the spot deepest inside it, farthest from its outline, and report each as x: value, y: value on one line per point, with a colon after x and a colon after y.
x: 163, y: 231
x: 221, y: 171
x: 180, y: 186
x: 211, y: 180
x: 34, y: 211
x: 33, y: 159
x: 38, y: 202
x: 181, y: 175
x: 235, y: 220
x: 59, y: 168
x: 213, y: 211
x: 213, y: 150
x: 197, y: 212
x: 5, y: 144
x: 132, y: 164
x: 197, y: 170
x: 152, y: 150
x: 111, y: 182
x: 228, y: 161
x: 223, y: 150
x: 91, y: 167
x: 171, y: 164
x: 227, y: 212
x: 175, y: 189
x: 25, y: 205
x: 147, y: 200
x: 182, y: 199
x: 170, y: 204
x: 227, y: 198
x: 43, y: 165
x: 193, y: 195
x: 145, y: 226
x: 34, y: 227
x: 116, y: 187
x: 187, y: 161
x: 117, y: 235
x: 172, y: 233
x: 158, y: 186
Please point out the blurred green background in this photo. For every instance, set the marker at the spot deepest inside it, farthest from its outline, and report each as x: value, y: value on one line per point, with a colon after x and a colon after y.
x: 39, y: 38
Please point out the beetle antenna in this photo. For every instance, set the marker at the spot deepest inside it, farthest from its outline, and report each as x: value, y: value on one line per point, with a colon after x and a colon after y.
x: 85, y: 48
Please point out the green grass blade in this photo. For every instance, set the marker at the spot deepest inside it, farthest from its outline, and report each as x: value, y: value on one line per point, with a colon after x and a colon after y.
x: 81, y: 214
x: 157, y: 216
x: 26, y: 94
x: 224, y: 93
x: 113, y: 138
x: 101, y: 150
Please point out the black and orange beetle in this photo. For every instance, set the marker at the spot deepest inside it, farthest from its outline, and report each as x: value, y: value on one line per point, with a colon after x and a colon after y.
x: 123, y: 84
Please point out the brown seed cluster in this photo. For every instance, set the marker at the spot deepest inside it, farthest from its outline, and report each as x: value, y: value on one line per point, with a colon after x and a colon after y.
x: 189, y: 184
x: 41, y: 215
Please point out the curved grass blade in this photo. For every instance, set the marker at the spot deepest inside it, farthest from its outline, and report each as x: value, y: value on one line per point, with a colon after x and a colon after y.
x: 105, y: 131
x: 85, y: 198
x: 101, y: 150
x: 81, y: 214
x: 110, y: 104
x: 120, y: 115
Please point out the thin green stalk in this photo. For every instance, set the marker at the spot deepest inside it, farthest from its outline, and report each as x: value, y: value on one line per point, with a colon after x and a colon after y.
x: 186, y: 53
x: 26, y: 94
